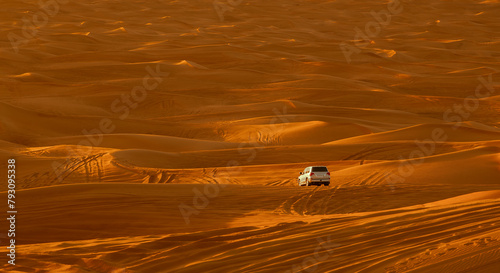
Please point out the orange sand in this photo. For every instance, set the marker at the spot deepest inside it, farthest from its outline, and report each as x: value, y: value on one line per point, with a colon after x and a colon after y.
x: 233, y: 107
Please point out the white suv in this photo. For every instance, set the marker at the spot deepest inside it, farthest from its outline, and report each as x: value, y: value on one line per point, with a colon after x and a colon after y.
x: 314, y: 175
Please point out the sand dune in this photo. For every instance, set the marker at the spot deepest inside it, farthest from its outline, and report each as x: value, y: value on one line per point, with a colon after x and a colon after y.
x: 466, y: 231
x: 431, y: 133
x: 479, y: 165
x: 167, y: 136
x: 150, y: 142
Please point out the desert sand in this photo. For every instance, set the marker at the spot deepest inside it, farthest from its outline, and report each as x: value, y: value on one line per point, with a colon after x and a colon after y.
x: 167, y: 136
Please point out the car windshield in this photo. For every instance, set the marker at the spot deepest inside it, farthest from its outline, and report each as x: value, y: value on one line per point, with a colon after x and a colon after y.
x: 319, y: 169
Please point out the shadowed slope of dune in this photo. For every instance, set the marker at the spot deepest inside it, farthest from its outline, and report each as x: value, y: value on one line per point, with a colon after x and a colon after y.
x: 150, y: 142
